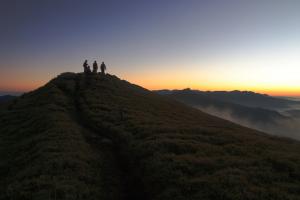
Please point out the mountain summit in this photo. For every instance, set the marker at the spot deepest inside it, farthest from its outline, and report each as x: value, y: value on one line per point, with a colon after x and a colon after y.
x: 98, y: 137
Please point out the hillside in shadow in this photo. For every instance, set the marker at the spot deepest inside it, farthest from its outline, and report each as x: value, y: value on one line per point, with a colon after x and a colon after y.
x: 98, y: 137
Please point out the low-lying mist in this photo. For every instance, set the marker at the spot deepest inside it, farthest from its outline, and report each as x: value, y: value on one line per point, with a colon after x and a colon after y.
x: 288, y: 127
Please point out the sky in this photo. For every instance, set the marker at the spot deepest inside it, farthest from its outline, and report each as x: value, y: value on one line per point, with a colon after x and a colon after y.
x: 158, y: 44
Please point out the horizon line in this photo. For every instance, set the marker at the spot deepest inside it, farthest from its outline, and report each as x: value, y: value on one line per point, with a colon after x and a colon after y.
x: 277, y: 94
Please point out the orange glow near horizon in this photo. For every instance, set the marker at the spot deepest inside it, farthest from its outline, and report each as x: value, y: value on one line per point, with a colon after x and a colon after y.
x: 214, y: 79
x: 179, y: 80
x: 292, y: 92
x: 21, y: 82
x: 168, y: 83
x: 21, y: 87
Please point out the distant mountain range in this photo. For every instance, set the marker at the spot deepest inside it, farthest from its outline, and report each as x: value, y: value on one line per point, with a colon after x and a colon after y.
x: 251, y: 109
x: 6, y: 98
x: 245, y: 98
x: 94, y: 136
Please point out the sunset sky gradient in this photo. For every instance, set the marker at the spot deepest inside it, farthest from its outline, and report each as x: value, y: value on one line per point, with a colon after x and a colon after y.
x: 158, y: 44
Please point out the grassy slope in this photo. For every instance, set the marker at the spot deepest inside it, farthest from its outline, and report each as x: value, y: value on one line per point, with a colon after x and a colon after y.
x: 100, y: 137
x: 44, y: 152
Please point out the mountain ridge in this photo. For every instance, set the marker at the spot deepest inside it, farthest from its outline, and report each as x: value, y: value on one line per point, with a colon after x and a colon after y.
x: 96, y: 136
x: 245, y: 98
x: 200, y: 99
x: 279, y: 118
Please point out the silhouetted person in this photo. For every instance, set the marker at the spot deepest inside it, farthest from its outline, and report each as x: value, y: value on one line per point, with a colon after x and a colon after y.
x: 88, y: 69
x: 95, y: 67
x: 85, y: 66
x: 103, y: 68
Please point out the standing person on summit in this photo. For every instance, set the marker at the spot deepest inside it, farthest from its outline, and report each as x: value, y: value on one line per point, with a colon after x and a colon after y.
x: 103, y: 68
x: 95, y: 67
x: 85, y: 66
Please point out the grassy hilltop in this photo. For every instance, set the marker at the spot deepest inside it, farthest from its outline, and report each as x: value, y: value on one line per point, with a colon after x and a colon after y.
x: 99, y: 137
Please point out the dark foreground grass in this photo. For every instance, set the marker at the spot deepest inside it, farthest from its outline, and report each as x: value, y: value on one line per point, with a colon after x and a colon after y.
x: 98, y: 137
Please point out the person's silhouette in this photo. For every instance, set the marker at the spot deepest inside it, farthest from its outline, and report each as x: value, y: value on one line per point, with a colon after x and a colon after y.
x: 103, y: 68
x: 95, y: 67
x: 85, y: 66
x: 88, y: 69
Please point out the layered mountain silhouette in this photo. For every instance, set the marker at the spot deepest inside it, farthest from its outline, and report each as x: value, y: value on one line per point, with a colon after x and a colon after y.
x: 262, y: 112
x: 98, y: 137
x: 245, y: 98
x: 204, y: 100
x: 6, y: 98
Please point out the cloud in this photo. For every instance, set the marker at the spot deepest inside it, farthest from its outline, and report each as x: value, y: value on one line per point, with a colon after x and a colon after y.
x: 289, y: 127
